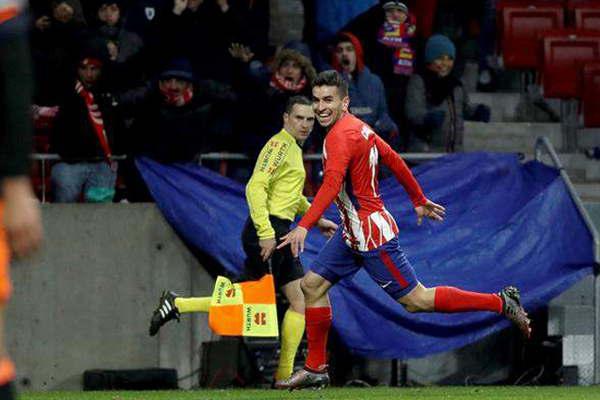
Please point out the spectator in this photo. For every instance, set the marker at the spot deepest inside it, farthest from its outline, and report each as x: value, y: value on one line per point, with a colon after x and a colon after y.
x: 367, y: 94
x: 436, y: 102
x: 123, y: 46
x: 175, y: 122
x: 265, y: 91
x: 201, y: 31
x: 56, y: 41
x: 83, y: 136
x: 396, y: 34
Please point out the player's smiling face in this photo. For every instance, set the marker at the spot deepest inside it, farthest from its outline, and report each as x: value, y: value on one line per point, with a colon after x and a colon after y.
x: 329, y: 105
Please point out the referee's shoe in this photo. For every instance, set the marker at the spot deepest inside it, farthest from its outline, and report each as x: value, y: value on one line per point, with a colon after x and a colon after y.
x: 165, y: 312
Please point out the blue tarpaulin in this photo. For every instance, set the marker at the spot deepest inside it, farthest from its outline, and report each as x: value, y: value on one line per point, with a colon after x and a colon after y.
x: 507, y: 223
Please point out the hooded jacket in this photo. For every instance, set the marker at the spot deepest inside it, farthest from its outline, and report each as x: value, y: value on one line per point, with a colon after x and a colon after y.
x: 367, y: 94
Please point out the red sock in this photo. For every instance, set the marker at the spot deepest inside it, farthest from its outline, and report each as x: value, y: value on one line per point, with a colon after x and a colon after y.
x: 318, y: 321
x: 450, y: 300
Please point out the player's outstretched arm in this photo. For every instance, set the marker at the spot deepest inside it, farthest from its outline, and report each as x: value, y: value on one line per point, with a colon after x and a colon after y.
x: 430, y: 210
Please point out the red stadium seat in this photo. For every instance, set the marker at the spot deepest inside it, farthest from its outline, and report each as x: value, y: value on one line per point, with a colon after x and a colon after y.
x: 591, y: 94
x: 565, y: 52
x: 522, y: 29
x: 588, y: 18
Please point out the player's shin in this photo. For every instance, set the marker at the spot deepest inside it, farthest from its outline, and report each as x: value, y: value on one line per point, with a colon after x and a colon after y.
x: 292, y: 330
x: 452, y: 300
x: 318, y: 322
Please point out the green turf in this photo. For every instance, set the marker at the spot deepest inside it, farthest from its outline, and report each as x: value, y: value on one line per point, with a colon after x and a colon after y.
x: 433, y: 393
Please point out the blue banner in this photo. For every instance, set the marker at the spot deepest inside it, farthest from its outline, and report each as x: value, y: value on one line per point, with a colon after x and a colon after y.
x: 507, y: 224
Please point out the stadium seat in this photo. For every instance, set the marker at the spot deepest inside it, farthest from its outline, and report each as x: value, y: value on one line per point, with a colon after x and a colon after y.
x: 565, y: 52
x: 521, y: 31
x: 591, y: 94
x: 588, y: 18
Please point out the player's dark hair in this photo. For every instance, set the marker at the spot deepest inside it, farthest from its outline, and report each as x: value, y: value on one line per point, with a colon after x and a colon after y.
x: 302, y: 100
x: 332, y: 78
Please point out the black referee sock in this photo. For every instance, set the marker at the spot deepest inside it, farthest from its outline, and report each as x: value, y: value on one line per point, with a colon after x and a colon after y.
x: 7, y: 392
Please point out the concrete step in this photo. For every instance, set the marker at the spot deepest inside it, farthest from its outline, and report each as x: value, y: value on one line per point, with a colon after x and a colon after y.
x: 513, y: 107
x: 581, y: 170
x: 509, y: 136
x: 570, y: 320
x: 588, y: 138
x: 589, y: 192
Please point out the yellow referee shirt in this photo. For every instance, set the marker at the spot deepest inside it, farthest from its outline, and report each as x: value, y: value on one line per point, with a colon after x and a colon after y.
x: 276, y: 185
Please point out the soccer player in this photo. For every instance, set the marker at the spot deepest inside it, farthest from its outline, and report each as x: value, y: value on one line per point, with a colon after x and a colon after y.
x: 274, y: 196
x: 20, y: 226
x: 351, y: 156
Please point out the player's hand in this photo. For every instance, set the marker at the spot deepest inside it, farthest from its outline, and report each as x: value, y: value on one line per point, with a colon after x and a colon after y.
x: 179, y: 6
x: 267, y: 247
x: 327, y: 227
x: 22, y: 219
x: 430, y: 210
x: 295, y: 238
x: 241, y: 52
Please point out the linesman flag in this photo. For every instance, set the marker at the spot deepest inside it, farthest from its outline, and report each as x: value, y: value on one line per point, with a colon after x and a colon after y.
x: 244, y: 309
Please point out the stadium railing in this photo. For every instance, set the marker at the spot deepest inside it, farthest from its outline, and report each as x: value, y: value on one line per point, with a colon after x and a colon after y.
x: 543, y: 145
x: 223, y: 162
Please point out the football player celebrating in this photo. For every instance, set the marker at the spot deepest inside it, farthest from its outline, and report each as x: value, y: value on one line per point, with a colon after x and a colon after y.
x: 351, y: 155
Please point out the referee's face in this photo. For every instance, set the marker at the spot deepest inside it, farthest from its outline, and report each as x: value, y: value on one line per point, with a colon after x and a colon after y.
x: 299, y: 122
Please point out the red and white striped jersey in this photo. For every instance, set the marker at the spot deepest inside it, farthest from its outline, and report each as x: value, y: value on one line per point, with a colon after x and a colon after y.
x: 351, y: 155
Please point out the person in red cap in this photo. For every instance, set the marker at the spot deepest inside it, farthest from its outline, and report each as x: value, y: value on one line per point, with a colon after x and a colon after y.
x: 83, y: 136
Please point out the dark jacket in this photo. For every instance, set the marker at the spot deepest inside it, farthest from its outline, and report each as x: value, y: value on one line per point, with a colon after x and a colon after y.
x: 74, y: 137
x: 454, y: 107
x: 170, y: 134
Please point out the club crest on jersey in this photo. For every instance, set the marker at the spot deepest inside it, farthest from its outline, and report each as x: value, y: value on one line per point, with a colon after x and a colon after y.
x: 366, y: 132
x: 150, y: 13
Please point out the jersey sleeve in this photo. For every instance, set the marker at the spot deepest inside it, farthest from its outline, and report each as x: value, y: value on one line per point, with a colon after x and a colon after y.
x: 271, y: 157
x: 401, y: 171
x: 339, y: 151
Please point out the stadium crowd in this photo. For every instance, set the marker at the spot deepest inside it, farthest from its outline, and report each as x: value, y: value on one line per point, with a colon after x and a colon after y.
x: 171, y: 79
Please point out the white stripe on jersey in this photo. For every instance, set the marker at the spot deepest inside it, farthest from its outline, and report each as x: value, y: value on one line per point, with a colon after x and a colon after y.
x: 384, y: 226
x: 352, y: 215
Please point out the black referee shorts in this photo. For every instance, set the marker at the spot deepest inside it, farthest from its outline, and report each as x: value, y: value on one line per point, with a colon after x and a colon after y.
x: 285, y: 267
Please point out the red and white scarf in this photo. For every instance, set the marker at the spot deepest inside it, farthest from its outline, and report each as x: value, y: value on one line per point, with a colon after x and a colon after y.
x: 279, y: 82
x: 95, y: 118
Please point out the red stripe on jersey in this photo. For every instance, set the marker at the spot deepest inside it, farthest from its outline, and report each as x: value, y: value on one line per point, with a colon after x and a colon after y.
x: 387, y: 261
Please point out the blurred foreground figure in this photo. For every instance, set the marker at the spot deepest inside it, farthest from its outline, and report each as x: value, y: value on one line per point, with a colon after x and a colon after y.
x: 20, y: 226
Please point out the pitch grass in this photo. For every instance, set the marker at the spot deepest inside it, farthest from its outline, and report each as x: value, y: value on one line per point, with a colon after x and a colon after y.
x: 383, y: 393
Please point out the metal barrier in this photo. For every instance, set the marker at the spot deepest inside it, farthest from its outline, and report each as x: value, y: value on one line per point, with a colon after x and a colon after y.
x: 44, y: 158
x: 543, y: 144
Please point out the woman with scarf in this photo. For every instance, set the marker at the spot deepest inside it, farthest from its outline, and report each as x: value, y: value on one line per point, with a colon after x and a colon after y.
x: 437, y: 103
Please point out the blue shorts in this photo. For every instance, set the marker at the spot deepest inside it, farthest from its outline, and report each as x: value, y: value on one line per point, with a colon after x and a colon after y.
x: 387, y: 265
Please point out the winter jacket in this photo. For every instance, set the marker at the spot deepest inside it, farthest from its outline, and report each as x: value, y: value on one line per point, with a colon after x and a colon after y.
x: 455, y: 108
x: 170, y: 134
